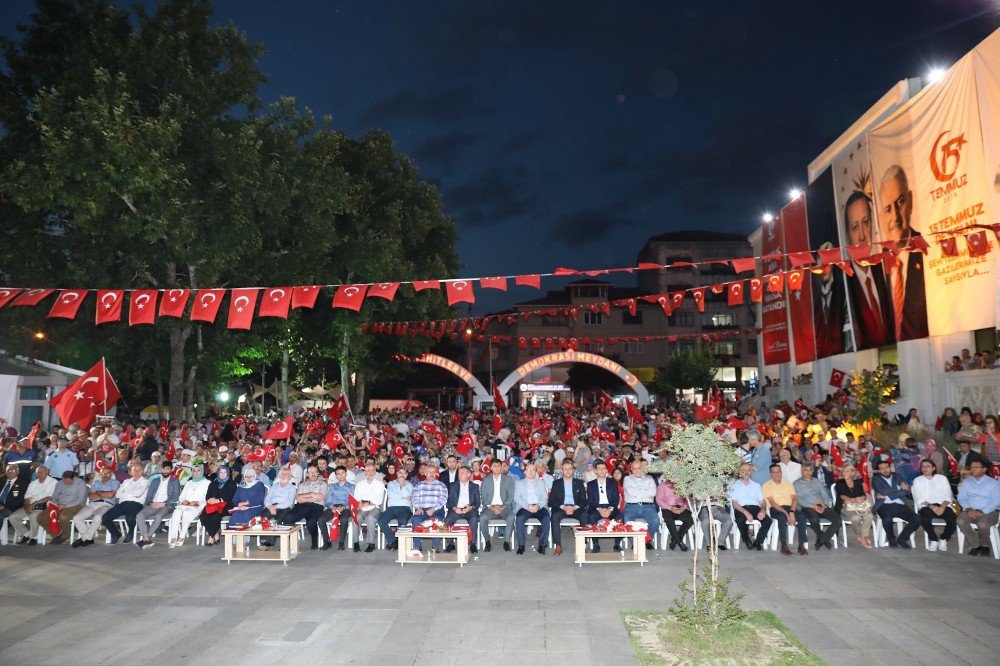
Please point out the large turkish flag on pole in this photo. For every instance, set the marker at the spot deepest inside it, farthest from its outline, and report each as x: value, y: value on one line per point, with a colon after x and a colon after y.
x: 91, y: 394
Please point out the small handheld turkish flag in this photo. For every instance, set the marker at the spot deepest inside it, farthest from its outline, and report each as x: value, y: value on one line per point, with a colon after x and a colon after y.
x: 67, y: 304
x: 281, y: 430
x: 350, y: 296
x: 109, y: 305
x: 633, y: 411
x: 497, y: 423
x: 465, y: 444
x: 706, y: 412
x: 54, y: 527
x: 837, y: 378
x: 498, y: 398
x: 142, y: 307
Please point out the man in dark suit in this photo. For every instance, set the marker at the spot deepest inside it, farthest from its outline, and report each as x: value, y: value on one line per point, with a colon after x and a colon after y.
x: 829, y: 311
x: 891, y: 491
x: 497, y: 494
x: 906, y: 277
x: 12, y: 491
x: 868, y: 291
x: 568, y: 499
x: 463, y: 504
x: 603, y: 499
x: 450, y: 473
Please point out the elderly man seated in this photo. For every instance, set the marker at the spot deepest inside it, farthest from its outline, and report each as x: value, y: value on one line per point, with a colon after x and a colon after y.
x: 102, y: 496
x: 69, y: 496
x: 36, y: 501
x: 814, y: 505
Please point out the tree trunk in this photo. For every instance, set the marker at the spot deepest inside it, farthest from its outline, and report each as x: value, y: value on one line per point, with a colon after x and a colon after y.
x: 359, y: 392
x: 159, y: 390
x: 284, y: 377
x: 694, y: 560
x: 178, y: 339
x: 345, y: 371
x: 189, y: 393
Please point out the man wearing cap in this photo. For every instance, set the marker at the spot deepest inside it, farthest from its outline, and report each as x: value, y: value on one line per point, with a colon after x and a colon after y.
x: 102, y: 496
x: 497, y: 493
x: 161, y: 499
x: 36, y: 500
x: 21, y: 458
x: 61, y: 460
x: 463, y: 504
x: 69, y: 496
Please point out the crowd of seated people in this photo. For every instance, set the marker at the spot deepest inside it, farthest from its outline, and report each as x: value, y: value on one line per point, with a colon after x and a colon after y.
x: 515, y: 480
x: 968, y: 361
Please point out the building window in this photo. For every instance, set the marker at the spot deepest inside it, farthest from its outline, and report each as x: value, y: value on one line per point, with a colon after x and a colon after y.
x: 680, y: 319
x: 30, y: 415
x: 629, y: 319
x: 723, y: 319
x: 34, y: 393
x: 593, y: 318
x: 752, y: 346
x: 723, y: 348
x: 633, y: 347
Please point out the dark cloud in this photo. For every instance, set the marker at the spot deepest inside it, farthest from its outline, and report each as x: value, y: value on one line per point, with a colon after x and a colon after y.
x: 445, y: 149
x: 493, y: 196
x: 437, y: 105
x: 589, y: 226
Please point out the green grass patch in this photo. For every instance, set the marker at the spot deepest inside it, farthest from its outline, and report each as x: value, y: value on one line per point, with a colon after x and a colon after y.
x: 657, y: 638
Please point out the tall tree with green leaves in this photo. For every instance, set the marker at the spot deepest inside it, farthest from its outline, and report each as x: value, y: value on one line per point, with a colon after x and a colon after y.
x: 689, y: 368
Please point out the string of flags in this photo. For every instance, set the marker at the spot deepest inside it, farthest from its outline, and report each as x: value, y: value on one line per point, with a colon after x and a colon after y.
x: 146, y: 305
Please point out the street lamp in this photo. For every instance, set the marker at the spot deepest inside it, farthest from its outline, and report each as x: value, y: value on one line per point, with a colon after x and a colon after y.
x: 39, y: 335
x: 767, y: 218
x: 223, y: 397
x: 794, y: 193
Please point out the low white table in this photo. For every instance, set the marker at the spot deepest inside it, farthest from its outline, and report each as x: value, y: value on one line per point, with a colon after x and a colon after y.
x: 287, y: 547
x: 637, y: 554
x: 460, y: 557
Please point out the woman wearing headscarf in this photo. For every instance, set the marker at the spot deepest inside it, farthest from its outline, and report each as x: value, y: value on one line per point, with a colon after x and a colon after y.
x: 248, y: 501
x: 220, y: 491
x: 189, y: 505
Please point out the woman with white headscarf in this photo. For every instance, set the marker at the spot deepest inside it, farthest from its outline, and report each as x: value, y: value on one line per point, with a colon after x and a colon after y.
x: 189, y: 505
x: 248, y: 501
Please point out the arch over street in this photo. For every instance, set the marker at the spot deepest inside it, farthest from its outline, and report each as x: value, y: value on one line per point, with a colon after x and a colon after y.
x: 454, y: 368
x: 570, y: 356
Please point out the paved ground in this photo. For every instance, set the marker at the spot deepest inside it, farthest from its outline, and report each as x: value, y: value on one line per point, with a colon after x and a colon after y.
x: 115, y: 604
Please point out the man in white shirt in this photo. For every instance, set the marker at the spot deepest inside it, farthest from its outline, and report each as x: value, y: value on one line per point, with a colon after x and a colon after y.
x: 932, y: 499
x: 370, y: 492
x: 640, y: 500
x: 399, y: 507
x: 295, y: 468
x: 791, y: 471
x: 131, y: 496
x: 543, y: 473
x: 36, y: 500
x: 749, y: 505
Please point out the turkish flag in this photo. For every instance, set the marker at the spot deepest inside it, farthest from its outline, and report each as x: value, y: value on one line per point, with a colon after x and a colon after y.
x: 386, y: 290
x: 333, y: 439
x: 756, y: 289
x: 604, y: 400
x: 350, y: 296
x: 53, y: 526
x: 459, y: 291
x: 275, y: 302
x: 241, y: 304
x: 801, y: 258
x: 421, y: 285
x: 497, y: 398
x: 206, y: 304
x: 949, y: 247
x: 93, y: 393
x: 353, y: 505
x: 529, y: 281
x: 611, y: 463
x: 67, y: 304
x: 676, y: 299
x: 142, y: 307
x: 109, y: 305
x: 465, y: 444
x: 493, y: 283
x: 744, y: 265
x: 304, y: 297
x: 7, y: 295
x: 735, y: 296
x: 978, y: 243
x: 794, y: 279
x: 830, y: 255
x: 837, y: 378
x: 699, y: 298
x: 633, y: 411
x: 484, y: 469
x: 173, y: 302
x: 31, y: 297
x: 706, y: 412
x: 775, y: 283
x: 663, y: 300
x: 281, y: 430
x: 497, y: 423
x: 952, y: 462
x: 338, y: 407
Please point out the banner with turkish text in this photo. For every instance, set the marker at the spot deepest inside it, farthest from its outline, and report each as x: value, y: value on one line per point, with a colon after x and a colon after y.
x: 800, y: 307
x: 929, y: 176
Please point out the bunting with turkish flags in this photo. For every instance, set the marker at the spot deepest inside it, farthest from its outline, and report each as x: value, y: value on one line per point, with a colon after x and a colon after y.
x: 7, y: 295
x: 173, y: 302
x: 756, y: 289
x: 142, y: 307
x: 459, y: 291
x: 699, y: 298
x: 31, y: 297
x: 241, y: 305
x: 275, y: 302
x: 421, y: 285
x: 67, y: 304
x: 528, y: 281
x: 109, y: 306
x: 206, y: 305
x: 350, y: 296
x: 93, y: 393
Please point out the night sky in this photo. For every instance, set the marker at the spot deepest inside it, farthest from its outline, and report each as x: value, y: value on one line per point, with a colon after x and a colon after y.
x: 566, y: 133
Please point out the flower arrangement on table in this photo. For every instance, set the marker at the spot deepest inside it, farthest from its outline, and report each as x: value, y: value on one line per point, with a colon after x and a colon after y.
x: 435, y: 525
x: 607, y: 525
x: 260, y: 522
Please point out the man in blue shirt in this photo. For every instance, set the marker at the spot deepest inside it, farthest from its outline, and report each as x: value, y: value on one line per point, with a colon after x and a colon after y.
x: 761, y: 458
x: 979, y: 496
x: 337, y: 506
x: 61, y: 460
x: 102, y: 497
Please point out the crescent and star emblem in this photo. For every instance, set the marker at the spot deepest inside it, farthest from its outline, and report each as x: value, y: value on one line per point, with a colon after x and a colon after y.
x: 207, y: 299
x: 351, y: 291
x: 274, y: 294
x: 68, y: 297
x: 246, y: 301
x: 173, y: 299
x: 140, y: 300
x: 106, y: 302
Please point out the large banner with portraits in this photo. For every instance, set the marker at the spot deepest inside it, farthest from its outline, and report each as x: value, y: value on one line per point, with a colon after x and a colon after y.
x: 829, y: 290
x: 929, y: 175
x: 986, y: 66
x: 774, y: 313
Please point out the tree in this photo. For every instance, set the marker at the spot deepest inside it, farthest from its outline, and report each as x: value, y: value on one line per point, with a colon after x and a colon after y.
x: 872, y: 390
x: 701, y: 466
x: 692, y: 367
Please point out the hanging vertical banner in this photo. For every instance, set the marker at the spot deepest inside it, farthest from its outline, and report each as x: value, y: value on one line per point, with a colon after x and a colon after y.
x: 774, y: 313
x: 829, y: 291
x: 867, y: 287
x: 800, y: 306
x: 929, y: 176
x: 984, y: 64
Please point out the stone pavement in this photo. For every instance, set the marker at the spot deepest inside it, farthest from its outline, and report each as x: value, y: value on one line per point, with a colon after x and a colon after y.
x: 119, y: 605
